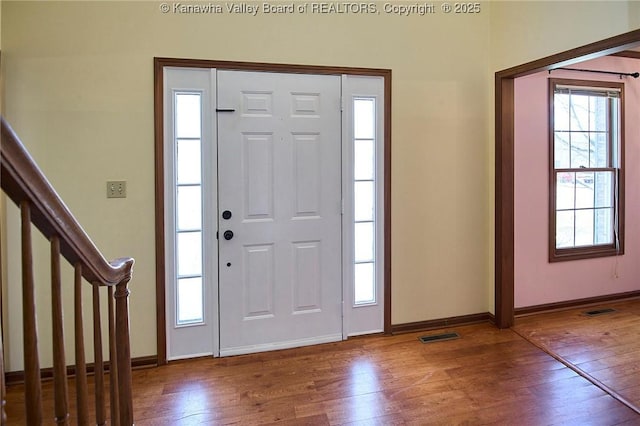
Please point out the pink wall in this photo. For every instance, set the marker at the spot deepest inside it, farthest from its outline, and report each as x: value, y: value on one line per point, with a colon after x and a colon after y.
x: 536, y: 280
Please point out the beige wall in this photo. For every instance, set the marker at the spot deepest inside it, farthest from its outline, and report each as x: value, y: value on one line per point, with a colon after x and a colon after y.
x: 634, y: 14
x: 79, y: 82
x: 522, y: 31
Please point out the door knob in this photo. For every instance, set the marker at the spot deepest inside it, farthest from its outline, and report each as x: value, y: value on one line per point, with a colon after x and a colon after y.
x: 228, y: 235
x: 226, y: 214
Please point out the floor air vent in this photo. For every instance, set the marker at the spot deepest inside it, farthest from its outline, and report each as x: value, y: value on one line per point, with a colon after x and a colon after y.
x: 439, y: 337
x: 599, y: 312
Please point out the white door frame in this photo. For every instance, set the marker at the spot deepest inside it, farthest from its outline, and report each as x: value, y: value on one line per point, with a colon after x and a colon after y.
x: 165, y: 213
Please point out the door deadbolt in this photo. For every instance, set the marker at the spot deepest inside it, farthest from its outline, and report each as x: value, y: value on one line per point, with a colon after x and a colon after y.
x: 226, y: 215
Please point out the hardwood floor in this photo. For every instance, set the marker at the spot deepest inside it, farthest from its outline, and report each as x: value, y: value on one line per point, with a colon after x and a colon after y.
x: 488, y: 376
x: 604, y: 347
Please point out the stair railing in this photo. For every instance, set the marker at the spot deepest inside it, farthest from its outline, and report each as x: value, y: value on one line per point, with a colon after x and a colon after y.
x: 40, y: 205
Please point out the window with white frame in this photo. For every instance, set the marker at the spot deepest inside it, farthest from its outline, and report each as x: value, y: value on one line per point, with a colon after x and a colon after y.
x: 586, y: 157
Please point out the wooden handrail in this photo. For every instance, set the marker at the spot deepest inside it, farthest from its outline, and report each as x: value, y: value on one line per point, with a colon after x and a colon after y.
x: 40, y: 205
x: 23, y: 180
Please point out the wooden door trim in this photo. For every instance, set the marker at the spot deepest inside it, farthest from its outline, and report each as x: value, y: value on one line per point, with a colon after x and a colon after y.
x: 159, y: 65
x: 504, y: 158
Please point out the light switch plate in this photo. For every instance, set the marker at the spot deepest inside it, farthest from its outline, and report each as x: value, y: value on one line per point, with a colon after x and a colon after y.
x: 116, y: 189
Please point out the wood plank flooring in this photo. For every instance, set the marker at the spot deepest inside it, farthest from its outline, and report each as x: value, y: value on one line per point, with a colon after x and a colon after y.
x: 605, y: 347
x: 488, y: 376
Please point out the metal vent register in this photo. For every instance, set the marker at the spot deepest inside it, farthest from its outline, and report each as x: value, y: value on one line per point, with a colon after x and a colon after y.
x: 599, y: 312
x: 439, y: 337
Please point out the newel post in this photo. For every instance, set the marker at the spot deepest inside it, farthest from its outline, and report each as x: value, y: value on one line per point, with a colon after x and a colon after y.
x: 123, y: 353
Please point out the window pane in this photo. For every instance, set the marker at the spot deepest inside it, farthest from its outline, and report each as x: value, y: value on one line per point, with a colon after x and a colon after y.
x: 579, y: 150
x: 364, y: 283
x: 364, y: 164
x: 564, y: 229
x: 189, y: 253
x: 579, y: 113
x: 188, y: 115
x: 363, y: 167
x: 604, y: 226
x: 561, y: 150
x: 364, y: 118
x: 599, y: 150
x: 189, y: 300
x: 615, y: 132
x: 363, y: 200
x: 584, y: 227
x: 364, y: 242
x: 584, y: 190
x: 603, y: 189
x: 598, y: 116
x: 561, y: 112
x: 189, y: 208
x: 188, y: 161
x: 565, y: 191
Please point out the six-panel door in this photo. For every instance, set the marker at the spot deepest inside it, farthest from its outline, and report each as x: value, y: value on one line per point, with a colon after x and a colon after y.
x: 279, y: 168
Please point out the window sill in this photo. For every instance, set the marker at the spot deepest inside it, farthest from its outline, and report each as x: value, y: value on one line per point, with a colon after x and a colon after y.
x: 561, y: 255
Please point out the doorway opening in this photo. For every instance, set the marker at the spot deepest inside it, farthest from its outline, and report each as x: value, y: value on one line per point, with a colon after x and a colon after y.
x: 504, y: 156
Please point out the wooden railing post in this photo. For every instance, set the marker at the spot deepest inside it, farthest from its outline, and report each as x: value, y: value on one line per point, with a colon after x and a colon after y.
x: 113, y: 362
x: 81, y: 366
x: 33, y: 398
x: 59, y: 363
x: 124, y: 353
x: 98, y: 361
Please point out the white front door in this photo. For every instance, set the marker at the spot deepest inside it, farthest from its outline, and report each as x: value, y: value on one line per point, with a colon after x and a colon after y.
x: 279, y: 210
